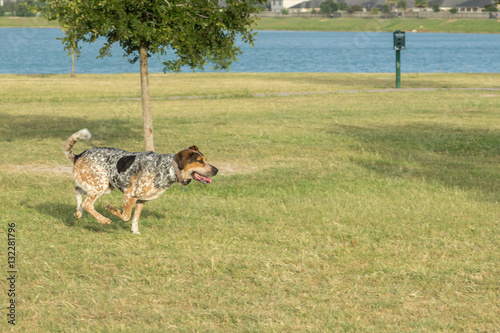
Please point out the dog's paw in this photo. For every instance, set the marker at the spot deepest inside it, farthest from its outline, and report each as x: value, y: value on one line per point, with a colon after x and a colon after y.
x: 78, y: 214
x: 136, y: 232
x: 105, y: 221
x: 112, y: 209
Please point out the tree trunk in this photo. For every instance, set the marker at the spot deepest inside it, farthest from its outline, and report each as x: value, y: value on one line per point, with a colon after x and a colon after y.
x: 146, y: 102
x: 73, y: 63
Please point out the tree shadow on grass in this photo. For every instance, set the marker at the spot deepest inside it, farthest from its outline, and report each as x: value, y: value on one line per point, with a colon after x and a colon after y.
x: 327, y: 82
x: 65, y: 213
x: 16, y: 127
x: 360, y: 82
x: 455, y: 157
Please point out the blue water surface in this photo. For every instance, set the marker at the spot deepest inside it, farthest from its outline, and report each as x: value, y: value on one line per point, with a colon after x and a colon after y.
x: 37, y: 51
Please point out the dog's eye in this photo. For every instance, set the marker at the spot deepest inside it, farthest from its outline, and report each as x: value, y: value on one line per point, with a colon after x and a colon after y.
x: 201, y: 162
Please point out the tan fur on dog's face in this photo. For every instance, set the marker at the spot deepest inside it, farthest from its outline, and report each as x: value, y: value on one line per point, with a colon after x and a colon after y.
x: 193, y: 164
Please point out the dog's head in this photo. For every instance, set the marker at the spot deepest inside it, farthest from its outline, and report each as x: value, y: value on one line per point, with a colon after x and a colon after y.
x: 193, y: 165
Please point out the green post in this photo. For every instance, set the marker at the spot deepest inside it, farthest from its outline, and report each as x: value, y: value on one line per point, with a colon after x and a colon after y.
x: 399, y: 44
x: 398, y: 68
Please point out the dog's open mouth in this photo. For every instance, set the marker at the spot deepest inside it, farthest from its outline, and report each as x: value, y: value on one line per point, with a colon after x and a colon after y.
x: 202, y: 179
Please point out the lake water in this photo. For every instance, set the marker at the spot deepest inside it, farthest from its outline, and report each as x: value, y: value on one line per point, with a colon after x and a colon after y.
x: 37, y: 51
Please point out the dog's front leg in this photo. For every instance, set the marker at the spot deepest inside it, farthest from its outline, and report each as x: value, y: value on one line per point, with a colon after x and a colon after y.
x: 137, y: 214
x: 128, y: 205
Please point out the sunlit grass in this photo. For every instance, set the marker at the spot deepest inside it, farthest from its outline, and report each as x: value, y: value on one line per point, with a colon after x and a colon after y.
x: 27, y: 22
x: 380, y: 24
x: 461, y: 25
x: 332, y: 212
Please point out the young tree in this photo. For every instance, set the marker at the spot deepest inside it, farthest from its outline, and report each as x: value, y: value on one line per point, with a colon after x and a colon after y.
x: 328, y: 7
x: 402, y: 5
x: 355, y: 8
x: 491, y: 8
x: 421, y: 4
x: 197, y: 31
x: 342, y: 6
x: 386, y: 9
x: 392, y: 4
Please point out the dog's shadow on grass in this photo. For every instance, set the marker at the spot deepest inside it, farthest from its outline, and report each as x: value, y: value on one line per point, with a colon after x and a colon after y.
x: 65, y: 213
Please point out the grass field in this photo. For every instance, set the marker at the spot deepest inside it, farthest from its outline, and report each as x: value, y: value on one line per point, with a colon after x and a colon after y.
x: 27, y: 22
x: 359, y: 212
x: 338, y: 24
x: 377, y: 24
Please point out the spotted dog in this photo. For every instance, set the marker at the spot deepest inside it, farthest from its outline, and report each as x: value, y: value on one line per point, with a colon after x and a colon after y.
x: 141, y: 176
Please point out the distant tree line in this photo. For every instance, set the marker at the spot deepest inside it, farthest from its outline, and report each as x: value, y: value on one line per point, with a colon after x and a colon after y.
x: 491, y: 7
x: 14, y: 8
x: 328, y: 7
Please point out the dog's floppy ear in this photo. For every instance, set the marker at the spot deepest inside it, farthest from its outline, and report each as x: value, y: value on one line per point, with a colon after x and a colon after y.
x: 185, y: 156
x: 182, y: 157
x: 195, y: 148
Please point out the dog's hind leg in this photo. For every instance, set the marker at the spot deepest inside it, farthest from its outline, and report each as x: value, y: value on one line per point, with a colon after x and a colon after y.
x: 88, y: 205
x: 137, y: 214
x: 93, y: 179
x: 128, y: 205
x: 79, y: 193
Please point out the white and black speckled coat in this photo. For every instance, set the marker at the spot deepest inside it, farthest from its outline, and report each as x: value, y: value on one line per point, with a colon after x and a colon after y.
x: 141, y: 176
x: 121, y: 165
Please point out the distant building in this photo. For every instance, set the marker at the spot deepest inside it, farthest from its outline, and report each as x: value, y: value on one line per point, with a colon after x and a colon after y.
x: 306, y: 6
x: 463, y: 5
x: 309, y: 5
x: 279, y: 5
x: 301, y: 6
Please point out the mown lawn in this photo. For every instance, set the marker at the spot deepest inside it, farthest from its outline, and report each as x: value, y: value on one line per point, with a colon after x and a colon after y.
x: 332, y: 212
x: 379, y: 24
x: 27, y: 22
x: 322, y: 24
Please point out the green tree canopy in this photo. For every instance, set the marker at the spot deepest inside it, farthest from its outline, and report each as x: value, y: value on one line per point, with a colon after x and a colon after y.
x: 392, y: 4
x: 355, y: 8
x: 491, y: 8
x: 401, y: 4
x: 197, y: 31
x: 17, y: 8
x: 421, y: 3
x: 386, y: 8
x: 342, y: 5
x: 328, y: 7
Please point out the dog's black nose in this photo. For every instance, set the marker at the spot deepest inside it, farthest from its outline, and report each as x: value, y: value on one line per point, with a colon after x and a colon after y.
x: 214, y: 170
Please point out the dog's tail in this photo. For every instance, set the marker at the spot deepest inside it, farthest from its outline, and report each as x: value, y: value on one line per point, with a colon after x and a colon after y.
x: 72, y: 140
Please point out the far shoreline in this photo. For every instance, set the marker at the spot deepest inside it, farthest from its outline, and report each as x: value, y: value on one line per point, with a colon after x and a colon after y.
x: 416, y: 25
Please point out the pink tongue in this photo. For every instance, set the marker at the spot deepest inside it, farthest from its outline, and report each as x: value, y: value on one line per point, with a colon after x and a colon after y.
x: 198, y: 176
